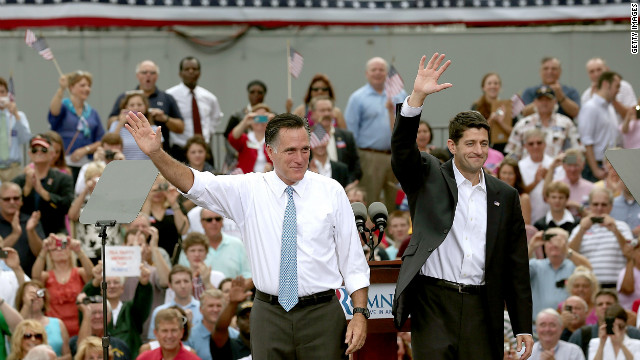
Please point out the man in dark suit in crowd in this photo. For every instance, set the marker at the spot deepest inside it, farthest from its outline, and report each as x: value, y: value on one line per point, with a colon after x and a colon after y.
x: 468, y: 253
x: 341, y: 146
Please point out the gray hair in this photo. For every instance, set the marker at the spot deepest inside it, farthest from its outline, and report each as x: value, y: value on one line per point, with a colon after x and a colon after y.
x: 41, y: 352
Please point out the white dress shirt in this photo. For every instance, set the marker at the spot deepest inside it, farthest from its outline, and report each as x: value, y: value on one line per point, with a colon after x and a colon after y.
x: 626, y: 96
x: 328, y: 246
x: 323, y: 169
x: 608, y: 354
x: 208, y: 108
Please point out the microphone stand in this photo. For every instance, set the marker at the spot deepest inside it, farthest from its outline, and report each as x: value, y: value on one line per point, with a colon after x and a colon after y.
x: 371, y: 243
x: 103, y: 225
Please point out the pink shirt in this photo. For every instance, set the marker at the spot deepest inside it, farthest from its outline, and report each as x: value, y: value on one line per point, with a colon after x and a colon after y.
x: 493, y: 160
x: 631, y: 140
x: 156, y: 354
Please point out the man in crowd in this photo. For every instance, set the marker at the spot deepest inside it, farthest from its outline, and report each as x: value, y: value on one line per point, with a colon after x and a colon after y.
x: 370, y: 115
x: 399, y: 226
x: 320, y: 161
x: 127, y: 317
x: 605, y: 298
x: 625, y: 98
x: 44, y: 189
x: 598, y: 131
x: 14, y: 133
x: 181, y: 282
x: 93, y: 325
x: 256, y: 92
x: 549, y: 275
x: 223, y: 345
x: 601, y: 238
x: 549, y: 345
x: 574, y: 316
x: 342, y: 146
x: 162, y: 107
x: 300, y: 292
x: 19, y: 231
x: 199, y: 107
x: 572, y: 162
x: 211, y: 305
x: 467, y: 257
x: 567, y: 97
x: 625, y: 208
x: 12, y: 276
x: 556, y: 195
x: 41, y: 352
x: 560, y: 131
x: 225, y: 253
x: 169, y: 330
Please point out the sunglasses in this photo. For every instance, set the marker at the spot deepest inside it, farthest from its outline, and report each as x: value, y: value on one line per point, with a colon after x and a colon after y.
x: 11, y: 198
x: 28, y: 336
x: 319, y: 89
x: 210, y: 219
x: 41, y: 149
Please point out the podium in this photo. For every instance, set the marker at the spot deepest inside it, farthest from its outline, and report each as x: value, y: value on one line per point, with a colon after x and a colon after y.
x: 381, y: 332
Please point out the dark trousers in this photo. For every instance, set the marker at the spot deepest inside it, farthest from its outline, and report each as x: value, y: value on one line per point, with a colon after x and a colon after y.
x: 313, y: 332
x: 446, y: 324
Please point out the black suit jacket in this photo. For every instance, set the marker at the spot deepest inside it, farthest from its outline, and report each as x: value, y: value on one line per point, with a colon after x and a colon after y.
x: 348, y: 153
x: 432, y: 193
x: 339, y: 172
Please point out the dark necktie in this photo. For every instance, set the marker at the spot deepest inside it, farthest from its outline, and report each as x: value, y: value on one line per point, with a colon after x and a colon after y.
x: 197, y: 127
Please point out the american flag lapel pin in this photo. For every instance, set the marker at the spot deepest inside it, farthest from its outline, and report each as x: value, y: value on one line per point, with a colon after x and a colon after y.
x: 496, y: 203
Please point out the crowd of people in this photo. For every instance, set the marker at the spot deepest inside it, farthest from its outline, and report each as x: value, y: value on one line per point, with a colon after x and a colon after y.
x: 193, y: 298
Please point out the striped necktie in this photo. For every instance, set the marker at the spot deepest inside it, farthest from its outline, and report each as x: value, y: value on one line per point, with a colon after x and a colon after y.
x: 288, y: 285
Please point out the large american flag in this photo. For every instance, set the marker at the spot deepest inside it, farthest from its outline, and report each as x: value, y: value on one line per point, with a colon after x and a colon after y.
x: 277, y: 13
x: 38, y: 44
x: 295, y: 63
x: 394, y: 84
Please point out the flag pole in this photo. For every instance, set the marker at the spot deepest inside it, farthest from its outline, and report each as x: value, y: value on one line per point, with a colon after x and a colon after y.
x: 288, y: 70
x: 55, y: 62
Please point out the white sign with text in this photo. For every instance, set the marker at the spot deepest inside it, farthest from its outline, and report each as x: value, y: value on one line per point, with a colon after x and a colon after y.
x: 123, y: 261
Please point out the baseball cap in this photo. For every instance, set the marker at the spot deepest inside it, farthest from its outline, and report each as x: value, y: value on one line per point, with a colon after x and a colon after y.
x: 244, y: 307
x: 545, y: 91
x: 40, y: 140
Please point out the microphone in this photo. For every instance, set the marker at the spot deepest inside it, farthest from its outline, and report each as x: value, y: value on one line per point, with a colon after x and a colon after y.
x: 378, y: 215
x: 360, y: 213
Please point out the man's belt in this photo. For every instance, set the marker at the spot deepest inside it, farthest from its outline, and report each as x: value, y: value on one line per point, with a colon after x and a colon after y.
x: 313, y: 299
x: 450, y: 285
x: 388, y: 152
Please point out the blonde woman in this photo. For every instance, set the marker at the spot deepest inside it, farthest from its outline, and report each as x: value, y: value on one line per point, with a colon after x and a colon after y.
x: 28, y: 334
x: 91, y: 349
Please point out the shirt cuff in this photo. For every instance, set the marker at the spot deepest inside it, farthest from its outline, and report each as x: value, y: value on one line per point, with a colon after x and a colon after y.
x: 409, y: 111
x: 524, y: 334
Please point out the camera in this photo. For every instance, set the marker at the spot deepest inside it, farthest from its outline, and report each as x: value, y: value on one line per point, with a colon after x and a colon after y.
x: 109, y: 155
x: 61, y: 243
x: 40, y: 293
x: 597, y: 219
x: 570, y: 159
x: 4, y: 254
x: 547, y: 237
x: 93, y: 299
x: 610, y: 321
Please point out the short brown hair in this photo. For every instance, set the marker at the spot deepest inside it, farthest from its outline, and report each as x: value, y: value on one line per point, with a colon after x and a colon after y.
x: 168, y: 315
x: 193, y: 239
x: 466, y: 120
x: 399, y: 214
x: 21, y: 290
x: 176, y: 269
x: 616, y: 311
x: 111, y: 139
x: 559, y: 187
x: 77, y: 76
x: 128, y: 96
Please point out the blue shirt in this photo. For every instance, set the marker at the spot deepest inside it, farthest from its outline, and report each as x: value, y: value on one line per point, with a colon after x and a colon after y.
x: 626, y: 211
x: 199, y: 340
x: 529, y: 94
x: 367, y: 117
x: 19, y: 134
x: 66, y: 124
x: 230, y: 258
x: 194, y: 306
x: 544, y: 291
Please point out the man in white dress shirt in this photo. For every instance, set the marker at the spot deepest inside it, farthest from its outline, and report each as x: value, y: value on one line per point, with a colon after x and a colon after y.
x: 300, y: 235
x: 205, y: 109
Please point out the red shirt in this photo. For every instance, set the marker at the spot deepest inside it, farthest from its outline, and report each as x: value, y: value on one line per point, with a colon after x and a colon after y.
x: 183, y: 354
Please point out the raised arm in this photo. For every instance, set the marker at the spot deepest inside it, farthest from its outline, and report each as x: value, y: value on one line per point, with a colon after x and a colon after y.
x: 237, y: 294
x: 150, y: 142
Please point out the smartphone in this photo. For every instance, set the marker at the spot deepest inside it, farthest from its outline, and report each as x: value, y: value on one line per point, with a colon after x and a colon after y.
x: 610, y: 321
x: 570, y: 159
x: 4, y: 254
x: 597, y: 219
x: 547, y: 237
x: 260, y: 119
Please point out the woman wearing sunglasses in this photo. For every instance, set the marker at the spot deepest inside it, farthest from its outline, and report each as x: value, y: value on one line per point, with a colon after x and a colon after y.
x: 320, y: 85
x: 32, y: 300
x: 28, y: 334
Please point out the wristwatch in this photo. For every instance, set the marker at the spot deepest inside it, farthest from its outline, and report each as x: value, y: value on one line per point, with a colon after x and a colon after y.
x: 361, y: 310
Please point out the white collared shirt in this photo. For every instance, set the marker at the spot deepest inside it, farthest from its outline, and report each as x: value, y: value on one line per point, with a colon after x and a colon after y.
x: 208, y: 107
x: 115, y: 312
x: 461, y: 256
x: 566, y: 218
x: 323, y: 169
x: 332, y: 149
x: 328, y: 246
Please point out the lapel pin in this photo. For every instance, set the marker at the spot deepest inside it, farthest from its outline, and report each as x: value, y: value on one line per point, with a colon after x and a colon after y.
x: 496, y: 203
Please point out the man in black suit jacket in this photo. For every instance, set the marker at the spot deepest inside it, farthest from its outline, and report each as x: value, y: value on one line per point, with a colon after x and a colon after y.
x: 467, y: 257
x: 342, y: 145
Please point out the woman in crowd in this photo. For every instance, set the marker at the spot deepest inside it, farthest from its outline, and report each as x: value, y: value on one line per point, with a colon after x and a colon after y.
x: 164, y: 211
x: 424, y: 137
x: 88, y: 234
x: 319, y: 85
x: 75, y: 120
x: 486, y: 105
x: 57, y: 147
x: 616, y: 345
x: 196, y: 152
x: 252, y: 151
x: 63, y: 281
x: 509, y: 172
x: 28, y: 334
x: 583, y: 283
x: 136, y: 102
x: 91, y: 349
x: 33, y: 301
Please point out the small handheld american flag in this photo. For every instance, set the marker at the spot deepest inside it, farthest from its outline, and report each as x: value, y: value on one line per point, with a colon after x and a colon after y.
x: 394, y: 83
